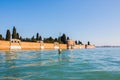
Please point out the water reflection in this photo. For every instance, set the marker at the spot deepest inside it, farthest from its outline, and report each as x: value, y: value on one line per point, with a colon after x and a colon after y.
x: 65, y: 56
x: 10, y: 58
x: 9, y: 66
x: 10, y: 55
x: 48, y: 64
x: 60, y: 57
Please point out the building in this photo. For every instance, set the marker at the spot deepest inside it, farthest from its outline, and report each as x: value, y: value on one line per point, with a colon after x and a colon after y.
x: 70, y: 44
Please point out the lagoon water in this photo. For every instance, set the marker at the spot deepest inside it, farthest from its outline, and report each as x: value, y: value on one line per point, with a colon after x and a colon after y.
x: 79, y: 64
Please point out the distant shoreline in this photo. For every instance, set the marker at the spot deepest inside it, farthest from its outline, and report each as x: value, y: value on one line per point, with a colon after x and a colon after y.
x: 107, y: 46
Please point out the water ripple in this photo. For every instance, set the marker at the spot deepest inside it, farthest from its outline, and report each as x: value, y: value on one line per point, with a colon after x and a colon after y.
x: 80, y: 64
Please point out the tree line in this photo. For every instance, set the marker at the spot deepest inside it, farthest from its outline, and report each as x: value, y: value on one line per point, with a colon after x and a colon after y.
x: 15, y: 35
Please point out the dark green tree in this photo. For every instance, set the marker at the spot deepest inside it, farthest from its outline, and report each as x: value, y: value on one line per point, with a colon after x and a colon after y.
x: 40, y: 38
x: 8, y: 35
x: 14, y: 33
x: 68, y: 38
x: 55, y: 40
x: 76, y: 42
x: 63, y: 39
x: 1, y: 38
x: 37, y: 36
x: 18, y: 36
x: 88, y: 43
x: 49, y: 40
x: 79, y: 42
x: 33, y: 39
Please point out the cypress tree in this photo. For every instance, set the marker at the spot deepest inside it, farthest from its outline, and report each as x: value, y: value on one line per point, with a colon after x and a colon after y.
x: 68, y: 38
x: 33, y: 39
x: 63, y: 39
x: 88, y: 43
x: 1, y: 38
x: 8, y: 35
x: 37, y: 36
x: 40, y: 38
x: 76, y: 42
x: 18, y: 36
x: 14, y: 33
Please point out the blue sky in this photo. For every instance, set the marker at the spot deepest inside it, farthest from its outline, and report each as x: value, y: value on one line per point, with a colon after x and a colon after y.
x: 97, y: 21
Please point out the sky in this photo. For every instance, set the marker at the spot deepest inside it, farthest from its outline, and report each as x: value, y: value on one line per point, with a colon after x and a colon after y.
x: 97, y: 21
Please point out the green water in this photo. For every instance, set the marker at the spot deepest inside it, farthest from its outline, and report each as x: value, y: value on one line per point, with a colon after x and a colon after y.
x: 84, y: 64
